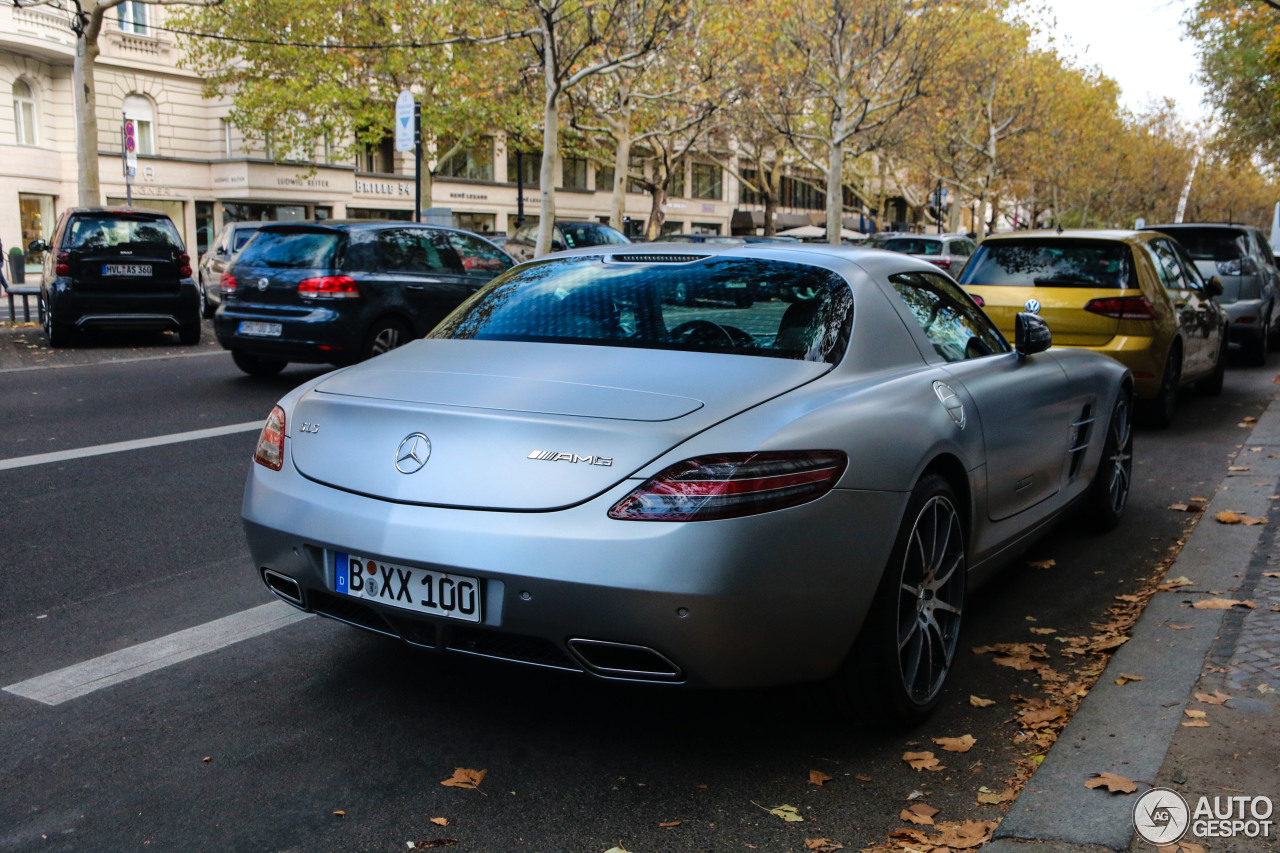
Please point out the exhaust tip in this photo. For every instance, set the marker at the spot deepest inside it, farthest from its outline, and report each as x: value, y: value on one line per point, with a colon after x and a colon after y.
x: 284, y: 587
x: 624, y: 661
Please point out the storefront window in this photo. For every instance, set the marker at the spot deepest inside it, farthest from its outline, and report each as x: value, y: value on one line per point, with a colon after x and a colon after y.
x: 528, y: 162
x: 323, y: 213
x: 575, y: 173
x: 513, y: 222
x: 473, y: 162
x: 705, y: 228
x: 480, y: 223
x: 707, y: 181
x: 204, y: 226
x: 379, y: 213
x: 36, y: 213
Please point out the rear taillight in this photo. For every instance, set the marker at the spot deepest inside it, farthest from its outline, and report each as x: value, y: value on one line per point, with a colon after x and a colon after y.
x: 731, y: 485
x: 941, y: 263
x: 1122, y: 308
x: 184, y: 265
x: 227, y: 283
x: 1238, y: 266
x: 978, y: 300
x: 328, y: 287
x: 270, y: 451
x: 63, y: 266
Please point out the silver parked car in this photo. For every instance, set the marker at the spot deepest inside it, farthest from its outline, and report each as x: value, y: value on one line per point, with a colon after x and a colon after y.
x: 947, y: 252
x: 572, y: 472
x: 1242, y: 260
x: 217, y: 260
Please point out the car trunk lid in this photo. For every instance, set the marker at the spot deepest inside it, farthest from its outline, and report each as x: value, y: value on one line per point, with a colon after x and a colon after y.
x: 1062, y: 308
x: 519, y: 426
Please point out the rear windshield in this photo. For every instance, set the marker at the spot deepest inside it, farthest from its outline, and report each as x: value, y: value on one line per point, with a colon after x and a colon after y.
x: 242, y: 236
x: 105, y: 232
x: 577, y: 236
x: 913, y: 246
x: 726, y: 305
x: 292, y: 249
x: 1211, y: 244
x: 1051, y: 263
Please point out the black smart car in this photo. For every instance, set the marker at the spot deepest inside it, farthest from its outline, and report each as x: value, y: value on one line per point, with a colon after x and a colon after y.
x: 124, y: 268
x: 338, y: 292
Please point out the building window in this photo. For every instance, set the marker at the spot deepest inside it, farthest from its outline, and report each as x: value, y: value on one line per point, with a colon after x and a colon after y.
x: 604, y: 179
x: 227, y: 148
x: 746, y: 195
x: 527, y: 162
x: 140, y: 110
x: 379, y: 158
x: 575, y: 173
x: 678, y: 186
x: 24, y: 112
x: 133, y: 17
x: 707, y: 181
x: 802, y: 194
x: 471, y: 162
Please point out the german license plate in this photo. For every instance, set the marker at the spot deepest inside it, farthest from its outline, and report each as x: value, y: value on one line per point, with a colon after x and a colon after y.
x: 420, y: 590
x: 126, y: 269
x: 261, y: 330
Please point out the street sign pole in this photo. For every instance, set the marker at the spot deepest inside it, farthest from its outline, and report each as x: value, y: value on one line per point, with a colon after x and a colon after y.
x: 129, y: 156
x: 417, y: 161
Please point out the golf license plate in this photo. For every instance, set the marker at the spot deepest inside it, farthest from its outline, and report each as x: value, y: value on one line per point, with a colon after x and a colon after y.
x: 420, y: 590
x: 261, y: 330
x: 126, y: 269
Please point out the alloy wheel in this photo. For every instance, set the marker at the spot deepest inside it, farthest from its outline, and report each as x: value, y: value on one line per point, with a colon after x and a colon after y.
x: 930, y: 599
x: 1120, y: 461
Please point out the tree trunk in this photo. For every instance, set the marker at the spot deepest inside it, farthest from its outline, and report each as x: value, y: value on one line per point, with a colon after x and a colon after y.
x: 621, y: 161
x: 550, y: 144
x: 881, y: 198
x: 86, y: 118
x: 658, y: 195
x: 953, y: 215
x: 835, y: 174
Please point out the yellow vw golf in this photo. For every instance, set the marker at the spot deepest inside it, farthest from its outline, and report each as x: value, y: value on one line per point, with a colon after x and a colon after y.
x: 1133, y: 295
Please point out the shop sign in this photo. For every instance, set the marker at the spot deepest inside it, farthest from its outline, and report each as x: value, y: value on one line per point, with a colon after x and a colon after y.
x: 320, y: 183
x: 384, y: 187
x: 470, y: 196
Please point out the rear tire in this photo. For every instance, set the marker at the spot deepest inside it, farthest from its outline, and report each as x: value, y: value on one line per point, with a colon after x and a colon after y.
x: 1110, y: 491
x: 895, y: 674
x: 255, y: 366
x: 59, y: 334
x: 1158, y: 412
x: 384, y: 335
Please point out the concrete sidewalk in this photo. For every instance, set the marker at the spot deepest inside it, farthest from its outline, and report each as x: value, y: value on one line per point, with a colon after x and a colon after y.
x: 1137, y: 730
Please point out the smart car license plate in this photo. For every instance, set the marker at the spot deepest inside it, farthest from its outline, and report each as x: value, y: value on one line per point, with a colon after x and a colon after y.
x: 261, y: 330
x: 421, y: 590
x: 126, y: 269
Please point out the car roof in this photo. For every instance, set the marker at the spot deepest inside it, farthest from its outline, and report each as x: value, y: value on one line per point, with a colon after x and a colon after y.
x: 124, y: 209
x: 337, y: 225
x: 1176, y: 226
x: 1117, y: 235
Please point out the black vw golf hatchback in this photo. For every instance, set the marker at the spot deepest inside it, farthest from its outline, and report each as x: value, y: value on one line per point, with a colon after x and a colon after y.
x: 338, y: 292
x: 117, y: 269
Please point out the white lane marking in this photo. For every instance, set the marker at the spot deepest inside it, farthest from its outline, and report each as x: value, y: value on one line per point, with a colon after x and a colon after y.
x: 121, y: 446
x: 113, y: 361
x: 77, y: 680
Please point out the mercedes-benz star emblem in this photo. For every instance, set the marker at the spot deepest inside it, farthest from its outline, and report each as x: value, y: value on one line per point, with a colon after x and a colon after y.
x: 262, y: 284
x: 413, y: 453
x: 1033, y: 305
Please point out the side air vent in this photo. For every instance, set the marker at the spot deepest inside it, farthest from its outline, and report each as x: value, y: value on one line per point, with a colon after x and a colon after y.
x: 1081, y: 435
x: 656, y: 258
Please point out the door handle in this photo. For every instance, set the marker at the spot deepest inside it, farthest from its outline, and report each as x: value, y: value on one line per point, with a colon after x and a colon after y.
x: 416, y: 288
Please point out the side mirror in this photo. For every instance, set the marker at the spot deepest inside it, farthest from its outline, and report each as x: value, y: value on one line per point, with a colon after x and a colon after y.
x: 36, y: 246
x: 1213, y: 286
x: 220, y: 251
x: 1031, y: 334
x: 557, y: 246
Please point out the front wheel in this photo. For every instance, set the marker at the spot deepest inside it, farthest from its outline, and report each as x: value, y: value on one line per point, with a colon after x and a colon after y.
x: 1110, y: 491
x: 908, y: 642
x: 58, y: 334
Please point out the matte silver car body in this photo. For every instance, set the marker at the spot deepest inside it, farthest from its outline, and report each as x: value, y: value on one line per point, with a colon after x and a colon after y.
x: 772, y: 598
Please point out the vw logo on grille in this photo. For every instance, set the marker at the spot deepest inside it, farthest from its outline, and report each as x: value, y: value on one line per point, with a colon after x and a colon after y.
x: 413, y: 453
x: 262, y: 284
x: 1033, y: 305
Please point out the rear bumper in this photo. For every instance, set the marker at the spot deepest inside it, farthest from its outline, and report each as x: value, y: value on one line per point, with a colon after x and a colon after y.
x: 1144, y: 358
x: 168, y: 311
x: 770, y: 599
x: 320, y: 335
x: 1245, y: 317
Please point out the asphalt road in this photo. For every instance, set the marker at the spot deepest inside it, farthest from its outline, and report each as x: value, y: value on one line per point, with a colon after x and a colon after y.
x: 317, y: 737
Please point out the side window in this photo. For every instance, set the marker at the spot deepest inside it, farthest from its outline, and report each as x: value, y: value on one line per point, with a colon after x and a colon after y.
x: 1166, y: 260
x: 1194, y: 280
x: 478, y: 257
x: 953, y: 324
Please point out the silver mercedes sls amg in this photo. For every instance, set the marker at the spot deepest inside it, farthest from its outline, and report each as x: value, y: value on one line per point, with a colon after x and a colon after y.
x: 729, y: 467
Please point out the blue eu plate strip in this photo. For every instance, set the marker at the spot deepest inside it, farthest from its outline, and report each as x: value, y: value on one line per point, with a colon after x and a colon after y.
x: 342, y: 575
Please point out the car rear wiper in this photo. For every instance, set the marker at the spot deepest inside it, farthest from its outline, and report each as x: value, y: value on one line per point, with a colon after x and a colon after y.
x: 1066, y: 281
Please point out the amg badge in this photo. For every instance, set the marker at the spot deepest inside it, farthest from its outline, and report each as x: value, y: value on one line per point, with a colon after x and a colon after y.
x: 553, y: 456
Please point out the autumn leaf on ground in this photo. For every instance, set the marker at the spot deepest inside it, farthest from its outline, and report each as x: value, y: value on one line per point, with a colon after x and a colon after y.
x: 1194, y: 714
x: 1044, y: 631
x: 787, y: 813
x: 427, y: 845
x: 817, y: 777
x: 1196, y: 724
x: 1043, y: 564
x: 440, y: 821
x: 339, y: 813
x: 1181, y: 627
x: 994, y: 798
x: 1169, y: 586
x: 922, y: 761
x: 1125, y: 678
x: 862, y: 778
x: 617, y: 850
x: 963, y: 743
x: 1271, y: 574
x: 1217, y: 697
x: 1113, y: 782
x: 671, y: 823
x: 464, y: 778
x: 1042, y: 716
x: 970, y: 833
x: 979, y: 702
x: 822, y: 845
x: 920, y: 814
x: 1228, y: 517
x: 1222, y: 604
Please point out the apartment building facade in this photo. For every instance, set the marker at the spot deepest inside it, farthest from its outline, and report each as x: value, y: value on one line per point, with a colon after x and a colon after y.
x: 196, y: 166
